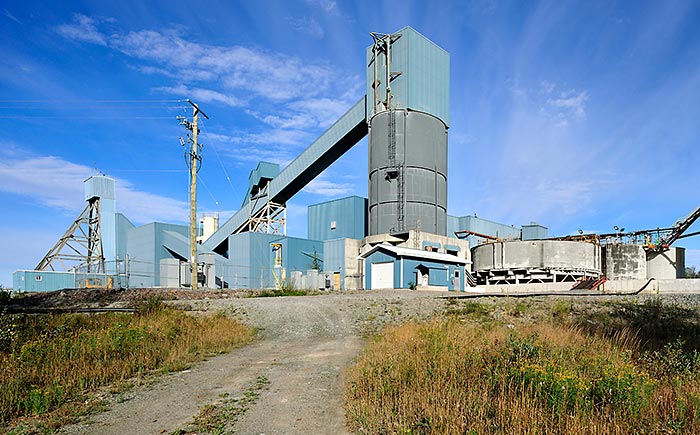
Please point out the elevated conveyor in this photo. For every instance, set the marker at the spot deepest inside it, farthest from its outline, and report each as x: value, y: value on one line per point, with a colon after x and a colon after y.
x: 333, y: 143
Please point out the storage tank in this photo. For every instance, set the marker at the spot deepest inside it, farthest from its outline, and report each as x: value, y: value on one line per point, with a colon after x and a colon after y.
x: 514, y: 262
x: 407, y: 172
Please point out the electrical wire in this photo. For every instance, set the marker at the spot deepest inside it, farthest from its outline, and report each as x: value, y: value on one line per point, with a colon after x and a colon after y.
x: 199, y: 177
x: 221, y: 163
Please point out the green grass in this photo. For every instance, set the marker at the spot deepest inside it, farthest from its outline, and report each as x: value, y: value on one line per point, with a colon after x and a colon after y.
x: 50, y: 363
x: 546, y: 374
x: 217, y: 419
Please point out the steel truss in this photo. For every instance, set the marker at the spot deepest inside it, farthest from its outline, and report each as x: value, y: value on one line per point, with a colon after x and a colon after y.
x: 80, y: 245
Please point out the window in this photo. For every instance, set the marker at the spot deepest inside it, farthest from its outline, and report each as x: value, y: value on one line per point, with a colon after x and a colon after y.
x: 333, y: 225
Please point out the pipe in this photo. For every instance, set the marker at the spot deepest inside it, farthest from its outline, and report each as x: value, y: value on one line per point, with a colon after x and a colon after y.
x: 527, y: 295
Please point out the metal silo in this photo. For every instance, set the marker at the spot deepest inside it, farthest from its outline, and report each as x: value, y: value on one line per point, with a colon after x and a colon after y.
x: 408, y: 116
x: 407, y: 172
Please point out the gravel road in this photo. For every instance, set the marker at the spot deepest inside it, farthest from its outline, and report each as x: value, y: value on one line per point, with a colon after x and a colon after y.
x: 304, y: 346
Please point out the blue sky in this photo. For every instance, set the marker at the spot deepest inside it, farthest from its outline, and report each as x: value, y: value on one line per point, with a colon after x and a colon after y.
x: 577, y: 115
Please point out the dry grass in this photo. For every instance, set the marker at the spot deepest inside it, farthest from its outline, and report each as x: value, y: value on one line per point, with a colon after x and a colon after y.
x: 470, y: 376
x: 50, y: 362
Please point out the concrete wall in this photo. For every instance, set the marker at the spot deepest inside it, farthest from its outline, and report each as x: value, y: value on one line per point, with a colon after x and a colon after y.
x: 624, y: 262
x: 552, y: 254
x: 666, y: 265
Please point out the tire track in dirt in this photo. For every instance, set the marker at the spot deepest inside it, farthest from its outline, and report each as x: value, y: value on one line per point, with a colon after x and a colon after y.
x: 304, y: 346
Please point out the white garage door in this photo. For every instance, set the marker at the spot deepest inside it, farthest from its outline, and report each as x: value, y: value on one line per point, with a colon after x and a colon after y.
x: 382, y: 275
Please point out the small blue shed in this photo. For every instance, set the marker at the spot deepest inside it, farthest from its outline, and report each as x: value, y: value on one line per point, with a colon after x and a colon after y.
x: 388, y: 266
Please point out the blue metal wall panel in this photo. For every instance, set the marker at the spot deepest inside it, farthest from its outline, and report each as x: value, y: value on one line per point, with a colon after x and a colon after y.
x: 349, y: 215
x: 334, y: 258
x: 297, y: 254
x: 99, y: 186
x: 424, y: 83
x: 264, y: 170
x: 41, y: 281
x: 141, y: 247
x: 534, y: 231
x: 146, y: 246
x: 453, y: 225
x: 250, y: 260
x: 123, y: 225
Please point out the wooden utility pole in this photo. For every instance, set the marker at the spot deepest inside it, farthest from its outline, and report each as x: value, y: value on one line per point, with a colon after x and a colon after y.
x: 194, y: 162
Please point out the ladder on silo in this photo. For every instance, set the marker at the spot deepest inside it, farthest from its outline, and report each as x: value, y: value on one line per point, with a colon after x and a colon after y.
x: 396, y: 171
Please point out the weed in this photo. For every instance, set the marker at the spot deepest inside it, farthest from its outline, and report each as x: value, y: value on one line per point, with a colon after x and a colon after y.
x: 450, y: 377
x: 5, y: 295
x: 50, y: 362
x: 560, y: 309
x: 470, y: 309
x: 150, y: 305
x: 219, y: 417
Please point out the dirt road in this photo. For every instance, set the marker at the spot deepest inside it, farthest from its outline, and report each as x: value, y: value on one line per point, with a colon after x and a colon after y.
x: 304, y: 347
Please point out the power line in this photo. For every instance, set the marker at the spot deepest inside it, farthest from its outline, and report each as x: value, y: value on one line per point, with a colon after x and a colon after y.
x: 223, y: 168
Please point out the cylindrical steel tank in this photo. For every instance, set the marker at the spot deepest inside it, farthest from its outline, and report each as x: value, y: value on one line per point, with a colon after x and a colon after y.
x: 556, y: 255
x: 407, y: 172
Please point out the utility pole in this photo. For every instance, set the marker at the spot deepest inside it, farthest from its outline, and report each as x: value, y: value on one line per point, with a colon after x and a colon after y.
x: 193, y: 157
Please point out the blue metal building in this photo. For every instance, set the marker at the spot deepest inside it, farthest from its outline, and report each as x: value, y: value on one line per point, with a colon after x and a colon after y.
x: 343, y: 218
x: 388, y: 266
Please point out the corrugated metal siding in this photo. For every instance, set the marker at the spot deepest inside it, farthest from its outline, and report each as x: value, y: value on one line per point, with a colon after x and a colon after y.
x: 424, y: 83
x: 334, y: 258
x: 297, y: 253
x: 141, y: 247
x: 41, y: 281
x: 250, y: 260
x: 534, y: 232
x: 123, y: 225
x: 99, y: 186
x: 349, y: 215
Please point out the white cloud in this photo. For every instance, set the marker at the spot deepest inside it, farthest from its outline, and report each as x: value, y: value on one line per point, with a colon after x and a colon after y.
x: 330, y: 6
x: 323, y: 186
x: 307, y: 25
x: 572, y: 103
x: 202, y: 95
x: 240, y: 72
x: 58, y: 183
x: 10, y: 16
x: 294, y: 97
x: 271, y: 76
x: 84, y: 29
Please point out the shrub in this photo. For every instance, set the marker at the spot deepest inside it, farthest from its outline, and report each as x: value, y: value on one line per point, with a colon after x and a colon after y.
x: 50, y: 360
